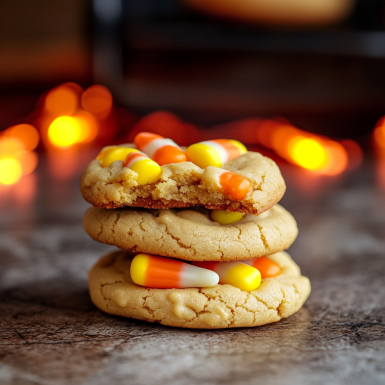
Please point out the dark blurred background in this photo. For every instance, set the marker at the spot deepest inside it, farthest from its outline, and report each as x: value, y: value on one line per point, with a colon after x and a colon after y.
x: 209, y: 67
x: 316, y: 65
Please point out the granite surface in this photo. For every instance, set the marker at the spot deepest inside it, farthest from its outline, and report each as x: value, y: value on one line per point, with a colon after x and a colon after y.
x: 50, y: 332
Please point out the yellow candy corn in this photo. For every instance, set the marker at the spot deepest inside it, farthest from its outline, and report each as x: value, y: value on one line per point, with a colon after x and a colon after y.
x: 238, y: 274
x: 214, y: 152
x: 104, y: 152
x: 115, y: 153
x: 148, y: 171
x: 225, y: 217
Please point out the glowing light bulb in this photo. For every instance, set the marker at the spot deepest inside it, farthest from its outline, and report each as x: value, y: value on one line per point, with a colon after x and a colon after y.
x: 64, y: 131
x: 10, y: 171
x: 307, y: 152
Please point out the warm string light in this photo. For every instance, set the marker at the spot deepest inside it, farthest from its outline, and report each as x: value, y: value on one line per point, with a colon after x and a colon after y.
x: 69, y: 116
x: 316, y: 153
x: 17, y: 157
x: 72, y: 116
x: 312, y: 152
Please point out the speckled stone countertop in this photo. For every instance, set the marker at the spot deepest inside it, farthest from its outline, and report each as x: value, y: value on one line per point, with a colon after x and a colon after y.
x: 52, y: 334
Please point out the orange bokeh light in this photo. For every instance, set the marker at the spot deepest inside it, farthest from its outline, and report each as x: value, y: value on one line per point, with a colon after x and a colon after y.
x: 88, y: 126
x: 336, y: 160
x: 28, y: 161
x: 10, y: 145
x: 26, y: 133
x: 10, y: 170
x: 354, y: 153
x: 312, y: 152
x: 280, y: 137
x: 379, y: 133
x: 97, y: 99
x: 64, y: 131
x: 16, y: 159
x: 307, y: 153
x: 62, y: 100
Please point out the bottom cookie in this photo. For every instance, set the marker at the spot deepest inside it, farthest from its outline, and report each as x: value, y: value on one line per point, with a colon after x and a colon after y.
x: 222, y: 306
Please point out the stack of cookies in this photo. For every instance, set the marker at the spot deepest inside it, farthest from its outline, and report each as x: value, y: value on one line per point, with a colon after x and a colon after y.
x: 200, y: 234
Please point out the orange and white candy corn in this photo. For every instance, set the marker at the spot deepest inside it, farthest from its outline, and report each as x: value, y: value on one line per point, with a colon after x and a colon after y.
x: 238, y: 274
x: 214, y: 152
x: 167, y: 273
x: 148, y: 171
x: 234, y: 185
x: 159, y: 149
x: 266, y: 266
x: 114, y: 153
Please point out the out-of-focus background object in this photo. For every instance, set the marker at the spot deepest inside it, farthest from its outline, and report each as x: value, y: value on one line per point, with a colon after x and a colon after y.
x: 164, y: 55
x: 83, y: 73
x: 278, y: 12
x: 43, y: 42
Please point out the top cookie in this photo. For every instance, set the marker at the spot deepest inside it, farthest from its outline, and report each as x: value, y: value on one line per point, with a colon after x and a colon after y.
x: 184, y: 184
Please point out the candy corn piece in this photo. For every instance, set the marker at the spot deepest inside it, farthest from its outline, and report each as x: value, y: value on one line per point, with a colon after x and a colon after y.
x: 238, y: 274
x: 214, y: 152
x: 166, y: 273
x: 114, y: 153
x: 225, y: 217
x: 267, y: 267
x: 148, y: 171
x: 105, y: 151
x: 234, y: 185
x: 161, y: 150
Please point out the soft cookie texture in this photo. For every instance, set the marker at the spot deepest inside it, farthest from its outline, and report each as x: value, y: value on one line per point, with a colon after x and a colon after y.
x: 183, y: 185
x: 190, y: 234
x: 217, y: 307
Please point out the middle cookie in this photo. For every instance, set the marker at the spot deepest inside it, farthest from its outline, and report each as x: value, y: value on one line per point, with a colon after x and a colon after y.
x: 190, y: 234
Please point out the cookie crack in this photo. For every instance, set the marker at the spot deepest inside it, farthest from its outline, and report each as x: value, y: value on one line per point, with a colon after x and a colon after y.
x: 118, y: 214
x: 264, y: 303
x: 141, y: 223
x: 100, y: 229
x: 264, y: 240
x: 178, y: 240
x: 145, y: 306
x: 240, y: 240
x: 102, y: 285
x: 282, y: 302
x: 259, y: 187
x: 252, y: 312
